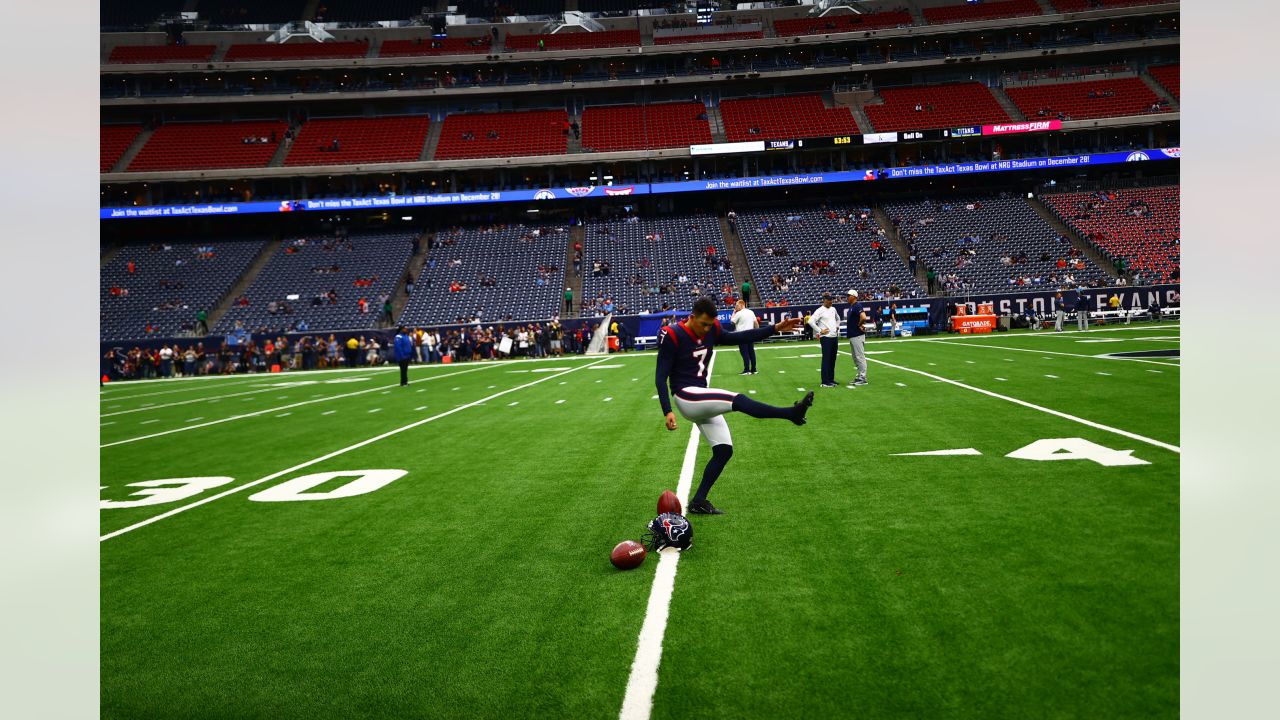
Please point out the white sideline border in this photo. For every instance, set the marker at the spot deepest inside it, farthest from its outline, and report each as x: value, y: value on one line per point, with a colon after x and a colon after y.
x: 256, y: 413
x: 327, y: 456
x: 1057, y: 413
x: 205, y: 398
x: 637, y: 703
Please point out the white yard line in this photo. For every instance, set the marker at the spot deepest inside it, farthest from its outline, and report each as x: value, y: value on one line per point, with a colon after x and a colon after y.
x: 1040, y: 408
x: 1048, y: 352
x: 211, y: 398
x: 329, y: 456
x: 274, y: 409
x: 637, y: 704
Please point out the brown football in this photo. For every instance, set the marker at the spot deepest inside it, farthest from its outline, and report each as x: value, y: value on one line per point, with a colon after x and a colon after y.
x: 668, y: 502
x: 627, y: 555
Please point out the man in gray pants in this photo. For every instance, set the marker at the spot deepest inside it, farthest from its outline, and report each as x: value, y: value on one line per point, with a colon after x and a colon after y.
x: 857, y: 336
x: 1082, y: 311
x: 1059, y: 312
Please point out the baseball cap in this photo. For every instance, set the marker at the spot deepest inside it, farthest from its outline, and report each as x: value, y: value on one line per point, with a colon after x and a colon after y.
x: 852, y: 293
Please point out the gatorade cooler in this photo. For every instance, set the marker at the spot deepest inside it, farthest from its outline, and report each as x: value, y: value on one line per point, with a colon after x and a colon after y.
x: 613, y: 343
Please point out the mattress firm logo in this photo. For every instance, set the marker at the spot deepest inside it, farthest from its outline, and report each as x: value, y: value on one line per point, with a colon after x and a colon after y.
x: 1137, y: 156
x: 578, y: 191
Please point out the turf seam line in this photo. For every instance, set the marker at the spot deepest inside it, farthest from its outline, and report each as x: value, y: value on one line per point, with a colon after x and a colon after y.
x: 1024, y: 403
x: 274, y: 409
x: 637, y: 703
x: 322, y: 458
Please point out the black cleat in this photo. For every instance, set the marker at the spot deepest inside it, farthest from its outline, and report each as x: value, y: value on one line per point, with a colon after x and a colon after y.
x: 802, y: 407
x: 703, y: 507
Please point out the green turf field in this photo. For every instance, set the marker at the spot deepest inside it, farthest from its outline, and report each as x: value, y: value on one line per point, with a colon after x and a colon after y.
x: 846, y: 580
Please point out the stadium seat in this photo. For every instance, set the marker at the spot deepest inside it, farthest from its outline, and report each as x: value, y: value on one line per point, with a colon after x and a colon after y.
x: 1113, y: 98
x: 841, y: 23
x: 161, y: 53
x: 941, y: 106
x: 509, y: 254
x: 996, y: 227
x: 574, y: 40
x: 1167, y: 76
x: 296, y: 50
x: 360, y: 140
x: 114, y: 140
x: 639, y: 127
x: 710, y: 37
x: 782, y: 243
x: 970, y: 12
x: 1070, y: 6
x: 1140, y: 226
x: 303, y: 267
x: 537, y: 132
x: 170, y: 283
x: 434, y: 46
x: 796, y: 116
x: 204, y: 146
x: 681, y: 249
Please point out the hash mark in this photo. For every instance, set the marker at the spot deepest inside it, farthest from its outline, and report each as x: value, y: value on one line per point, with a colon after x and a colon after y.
x: 328, y: 412
x: 1003, y: 379
x: 900, y: 384
x: 376, y: 410
x: 517, y: 402
x: 424, y: 407
x: 1052, y: 377
x: 608, y: 399
x: 196, y: 418
x: 284, y: 414
x: 148, y: 422
x: 561, y: 401
x: 1107, y: 374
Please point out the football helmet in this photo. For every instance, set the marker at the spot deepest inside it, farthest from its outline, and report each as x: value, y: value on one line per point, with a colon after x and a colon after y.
x: 668, y: 530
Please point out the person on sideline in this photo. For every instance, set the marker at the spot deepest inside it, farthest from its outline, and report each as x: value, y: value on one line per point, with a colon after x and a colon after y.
x: 744, y: 318
x: 826, y: 325
x: 857, y: 336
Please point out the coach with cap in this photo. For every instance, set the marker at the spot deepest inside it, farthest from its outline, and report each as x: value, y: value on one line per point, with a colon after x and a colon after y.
x: 826, y: 325
x: 404, y: 351
x: 857, y: 336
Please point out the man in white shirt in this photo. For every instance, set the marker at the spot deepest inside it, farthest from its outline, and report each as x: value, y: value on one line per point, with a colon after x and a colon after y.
x: 826, y: 326
x: 744, y: 318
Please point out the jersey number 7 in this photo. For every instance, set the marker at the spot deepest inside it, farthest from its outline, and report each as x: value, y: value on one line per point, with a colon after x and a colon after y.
x: 701, y: 355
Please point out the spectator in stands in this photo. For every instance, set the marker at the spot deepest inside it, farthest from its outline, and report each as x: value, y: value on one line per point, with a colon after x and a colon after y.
x: 388, y: 313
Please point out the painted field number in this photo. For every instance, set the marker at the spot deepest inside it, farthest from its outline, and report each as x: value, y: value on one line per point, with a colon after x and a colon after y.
x: 159, y: 492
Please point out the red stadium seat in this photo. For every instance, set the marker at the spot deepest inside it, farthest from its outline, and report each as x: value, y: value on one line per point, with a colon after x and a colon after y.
x: 304, y: 50
x: 114, y: 140
x: 1069, y: 6
x: 1113, y: 98
x: 207, y: 146
x: 841, y: 23
x: 713, y: 37
x: 782, y: 118
x: 574, y: 40
x: 538, y: 132
x: 639, y: 127
x: 360, y: 140
x: 967, y: 12
x: 434, y: 46
x: 940, y: 106
x: 1141, y: 226
x: 161, y: 53
x: 1167, y: 75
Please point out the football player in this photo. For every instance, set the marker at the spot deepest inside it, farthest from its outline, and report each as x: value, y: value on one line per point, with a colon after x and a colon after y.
x: 684, y: 354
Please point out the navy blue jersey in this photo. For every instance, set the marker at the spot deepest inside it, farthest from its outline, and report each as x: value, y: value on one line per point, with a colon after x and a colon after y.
x: 683, y: 357
x: 853, y: 323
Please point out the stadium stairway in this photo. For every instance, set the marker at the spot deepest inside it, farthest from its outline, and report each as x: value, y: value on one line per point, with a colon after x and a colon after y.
x: 899, y: 245
x: 400, y: 296
x: 1006, y: 103
x: 1076, y: 241
x: 1165, y: 96
x: 133, y: 150
x: 1047, y: 8
x: 286, y: 144
x: 917, y: 16
x: 716, y: 123
x: 574, y: 144
x: 855, y: 100
x: 741, y: 268
x: 269, y: 249
x: 433, y: 139
x: 572, y: 280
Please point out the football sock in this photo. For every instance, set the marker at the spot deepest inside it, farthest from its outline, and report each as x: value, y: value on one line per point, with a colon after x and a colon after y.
x: 720, y: 455
x: 744, y: 404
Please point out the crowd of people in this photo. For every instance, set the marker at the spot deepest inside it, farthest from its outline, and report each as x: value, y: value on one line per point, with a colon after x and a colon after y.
x: 243, y: 353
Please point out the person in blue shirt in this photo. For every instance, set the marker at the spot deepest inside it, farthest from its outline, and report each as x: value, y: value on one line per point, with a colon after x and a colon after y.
x: 404, y: 352
x: 1082, y: 312
x: 685, y: 353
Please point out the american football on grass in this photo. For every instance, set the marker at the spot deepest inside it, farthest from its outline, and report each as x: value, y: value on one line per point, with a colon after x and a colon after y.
x: 669, y: 503
x: 627, y: 555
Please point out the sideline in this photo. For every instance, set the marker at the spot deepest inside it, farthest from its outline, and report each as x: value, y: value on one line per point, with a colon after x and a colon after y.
x: 1053, y: 352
